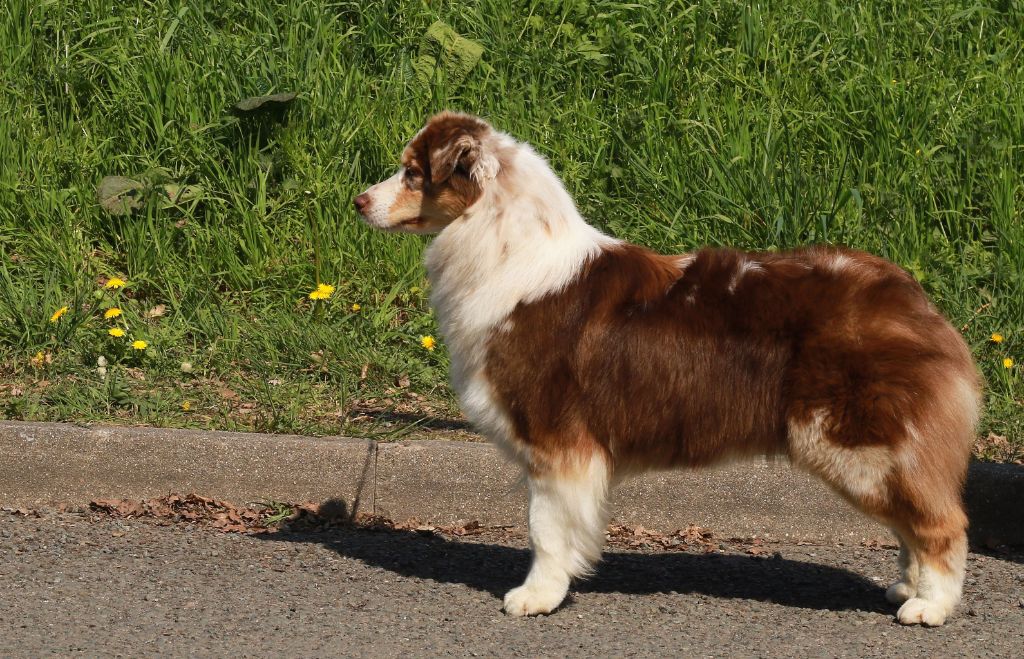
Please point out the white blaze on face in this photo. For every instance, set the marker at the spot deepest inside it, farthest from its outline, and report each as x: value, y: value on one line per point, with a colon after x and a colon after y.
x: 382, y: 198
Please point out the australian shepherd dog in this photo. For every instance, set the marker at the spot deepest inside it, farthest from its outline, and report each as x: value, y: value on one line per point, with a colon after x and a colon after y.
x: 587, y: 359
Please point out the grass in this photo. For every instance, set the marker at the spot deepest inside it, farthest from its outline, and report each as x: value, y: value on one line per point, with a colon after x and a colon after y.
x: 892, y: 127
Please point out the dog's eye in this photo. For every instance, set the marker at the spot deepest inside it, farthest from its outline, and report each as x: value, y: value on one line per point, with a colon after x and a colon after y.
x: 412, y: 178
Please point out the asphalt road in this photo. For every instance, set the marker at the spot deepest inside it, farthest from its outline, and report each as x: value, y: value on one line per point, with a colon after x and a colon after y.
x: 77, y: 584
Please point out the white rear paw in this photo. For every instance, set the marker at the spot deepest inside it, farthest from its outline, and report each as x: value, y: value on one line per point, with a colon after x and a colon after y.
x: 900, y: 592
x: 533, y: 599
x: 920, y: 611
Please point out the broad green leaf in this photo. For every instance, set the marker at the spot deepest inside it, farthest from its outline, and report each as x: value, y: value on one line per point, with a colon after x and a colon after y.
x: 174, y: 194
x: 119, y: 195
x: 264, y: 102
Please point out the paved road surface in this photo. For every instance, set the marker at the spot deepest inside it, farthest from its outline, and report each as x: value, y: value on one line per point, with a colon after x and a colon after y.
x: 81, y: 585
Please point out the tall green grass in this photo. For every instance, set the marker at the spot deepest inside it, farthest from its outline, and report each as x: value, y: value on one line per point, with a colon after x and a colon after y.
x: 894, y: 127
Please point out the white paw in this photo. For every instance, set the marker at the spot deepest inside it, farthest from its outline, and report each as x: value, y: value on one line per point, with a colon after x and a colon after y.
x: 533, y: 599
x: 916, y: 610
x: 900, y: 592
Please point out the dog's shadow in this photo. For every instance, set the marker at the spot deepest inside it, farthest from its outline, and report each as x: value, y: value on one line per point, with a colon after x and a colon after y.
x: 497, y: 568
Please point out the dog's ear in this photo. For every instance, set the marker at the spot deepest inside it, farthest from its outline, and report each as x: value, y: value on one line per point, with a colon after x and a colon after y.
x: 463, y: 150
x: 451, y: 140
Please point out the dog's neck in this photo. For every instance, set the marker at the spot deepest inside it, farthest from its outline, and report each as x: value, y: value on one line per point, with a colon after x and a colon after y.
x: 523, y: 239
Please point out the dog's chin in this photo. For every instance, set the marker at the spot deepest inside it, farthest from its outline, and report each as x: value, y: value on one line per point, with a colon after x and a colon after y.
x: 413, y: 225
x: 417, y: 225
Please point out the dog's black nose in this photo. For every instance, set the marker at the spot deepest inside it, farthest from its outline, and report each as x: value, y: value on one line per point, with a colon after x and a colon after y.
x: 361, y: 202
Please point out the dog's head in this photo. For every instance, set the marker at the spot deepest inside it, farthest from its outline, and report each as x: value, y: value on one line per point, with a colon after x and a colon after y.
x: 444, y: 171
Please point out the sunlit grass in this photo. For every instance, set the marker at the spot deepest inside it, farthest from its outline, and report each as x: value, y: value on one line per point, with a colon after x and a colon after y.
x: 893, y: 127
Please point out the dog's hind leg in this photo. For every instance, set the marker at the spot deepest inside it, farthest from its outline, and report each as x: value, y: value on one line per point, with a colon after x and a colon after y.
x: 926, y: 514
x: 940, y: 548
x: 567, y: 522
x: 926, y: 507
x: 913, y: 487
x: 902, y: 590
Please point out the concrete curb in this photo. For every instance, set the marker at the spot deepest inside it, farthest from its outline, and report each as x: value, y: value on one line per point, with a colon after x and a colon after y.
x: 442, y: 482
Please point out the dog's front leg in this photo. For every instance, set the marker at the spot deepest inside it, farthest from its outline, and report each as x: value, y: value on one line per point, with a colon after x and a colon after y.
x: 567, y: 522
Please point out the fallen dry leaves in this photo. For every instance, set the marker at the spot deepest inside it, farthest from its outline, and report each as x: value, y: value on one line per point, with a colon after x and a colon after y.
x: 270, y: 517
x: 21, y: 512
x: 221, y: 515
x: 261, y: 517
x: 638, y: 537
x: 156, y: 312
x: 876, y: 544
x: 998, y: 448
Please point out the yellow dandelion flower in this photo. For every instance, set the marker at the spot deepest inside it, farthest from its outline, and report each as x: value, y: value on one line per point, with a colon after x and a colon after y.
x: 428, y: 342
x: 356, y: 308
x: 139, y: 344
x: 115, y: 282
x: 112, y: 312
x: 1007, y: 363
x: 186, y: 406
x: 37, y: 360
x: 996, y: 337
x: 115, y: 331
x: 57, y: 314
x: 322, y: 292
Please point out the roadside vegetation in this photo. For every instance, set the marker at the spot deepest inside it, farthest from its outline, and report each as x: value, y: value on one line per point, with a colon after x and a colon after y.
x: 893, y: 127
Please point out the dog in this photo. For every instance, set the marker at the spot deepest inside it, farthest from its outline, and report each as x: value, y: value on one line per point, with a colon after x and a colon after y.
x: 588, y: 359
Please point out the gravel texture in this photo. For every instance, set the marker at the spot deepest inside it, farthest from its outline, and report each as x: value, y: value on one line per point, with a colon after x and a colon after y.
x: 81, y: 584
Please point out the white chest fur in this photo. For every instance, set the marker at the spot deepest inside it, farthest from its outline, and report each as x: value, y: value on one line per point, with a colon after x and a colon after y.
x: 511, y: 247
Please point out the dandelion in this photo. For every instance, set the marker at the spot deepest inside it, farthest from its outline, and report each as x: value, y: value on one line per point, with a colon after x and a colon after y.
x: 139, y: 344
x: 112, y: 312
x: 186, y: 406
x: 186, y: 367
x: 57, y: 314
x: 101, y: 361
x: 1008, y: 363
x: 115, y: 332
x: 996, y: 337
x: 322, y: 292
x: 37, y: 360
x: 356, y: 308
x: 428, y: 342
x: 114, y: 282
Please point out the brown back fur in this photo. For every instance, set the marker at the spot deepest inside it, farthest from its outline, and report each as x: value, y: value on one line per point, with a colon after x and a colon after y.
x: 665, y: 366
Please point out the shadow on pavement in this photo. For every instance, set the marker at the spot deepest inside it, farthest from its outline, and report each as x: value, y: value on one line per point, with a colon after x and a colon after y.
x: 497, y: 568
